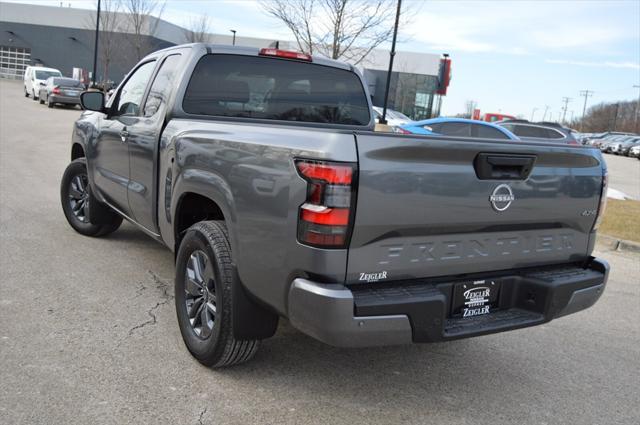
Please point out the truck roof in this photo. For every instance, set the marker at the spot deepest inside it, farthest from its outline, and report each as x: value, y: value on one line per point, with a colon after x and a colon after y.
x: 253, y: 51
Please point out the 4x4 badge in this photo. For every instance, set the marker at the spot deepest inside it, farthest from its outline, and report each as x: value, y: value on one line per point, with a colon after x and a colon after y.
x: 502, y: 197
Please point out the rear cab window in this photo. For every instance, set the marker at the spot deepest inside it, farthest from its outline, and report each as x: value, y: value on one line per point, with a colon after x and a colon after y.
x: 240, y: 86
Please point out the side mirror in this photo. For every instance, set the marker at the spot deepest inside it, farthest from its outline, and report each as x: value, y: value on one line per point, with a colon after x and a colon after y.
x: 92, y: 101
x: 42, y: 83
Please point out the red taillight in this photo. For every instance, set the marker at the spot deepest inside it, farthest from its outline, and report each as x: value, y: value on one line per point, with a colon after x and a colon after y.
x: 286, y: 54
x: 333, y: 174
x: 56, y: 90
x: 325, y: 218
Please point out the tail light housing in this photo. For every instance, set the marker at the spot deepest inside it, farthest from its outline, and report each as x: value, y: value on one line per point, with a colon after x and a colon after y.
x: 603, y: 199
x: 325, y: 219
x: 56, y: 90
x: 285, y: 54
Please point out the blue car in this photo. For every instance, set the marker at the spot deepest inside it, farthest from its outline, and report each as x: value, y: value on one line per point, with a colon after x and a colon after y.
x: 457, y: 127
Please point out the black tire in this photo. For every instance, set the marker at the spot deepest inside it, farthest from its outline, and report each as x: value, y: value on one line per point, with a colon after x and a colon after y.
x: 76, y: 198
x: 33, y: 95
x: 207, y: 244
x: 41, y: 100
x: 26, y: 93
x: 49, y: 102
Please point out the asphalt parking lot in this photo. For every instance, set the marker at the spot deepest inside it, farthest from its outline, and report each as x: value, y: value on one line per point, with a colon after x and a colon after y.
x: 88, y: 333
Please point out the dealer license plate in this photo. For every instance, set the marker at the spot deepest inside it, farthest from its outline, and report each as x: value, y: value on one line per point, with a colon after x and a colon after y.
x: 475, y: 298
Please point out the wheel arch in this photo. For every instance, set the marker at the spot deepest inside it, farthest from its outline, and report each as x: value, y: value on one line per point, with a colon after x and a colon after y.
x: 77, y: 151
x: 192, y: 208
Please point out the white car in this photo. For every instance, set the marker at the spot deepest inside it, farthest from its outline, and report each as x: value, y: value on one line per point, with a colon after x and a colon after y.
x: 394, y: 118
x: 635, y: 151
x: 35, y: 77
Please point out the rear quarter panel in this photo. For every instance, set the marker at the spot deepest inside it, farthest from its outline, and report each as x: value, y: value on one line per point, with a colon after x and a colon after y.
x: 248, y: 170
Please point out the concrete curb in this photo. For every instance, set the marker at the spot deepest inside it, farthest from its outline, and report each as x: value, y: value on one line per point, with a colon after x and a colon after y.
x: 616, y: 244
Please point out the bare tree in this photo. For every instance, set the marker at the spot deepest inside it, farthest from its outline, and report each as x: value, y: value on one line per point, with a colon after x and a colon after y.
x: 139, y: 13
x: 110, y: 24
x: 470, y: 106
x: 198, y: 29
x: 616, y: 116
x: 339, y: 29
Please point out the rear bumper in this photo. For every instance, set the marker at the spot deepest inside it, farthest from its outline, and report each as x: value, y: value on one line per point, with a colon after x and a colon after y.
x: 69, y: 100
x: 418, y: 311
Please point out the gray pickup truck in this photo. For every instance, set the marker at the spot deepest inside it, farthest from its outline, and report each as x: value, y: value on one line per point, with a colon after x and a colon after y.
x: 260, y: 169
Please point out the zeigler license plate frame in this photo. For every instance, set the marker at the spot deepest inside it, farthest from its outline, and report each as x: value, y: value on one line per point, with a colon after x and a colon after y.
x: 475, y: 298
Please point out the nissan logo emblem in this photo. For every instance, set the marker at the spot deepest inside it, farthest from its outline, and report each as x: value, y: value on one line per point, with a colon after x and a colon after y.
x: 501, y: 198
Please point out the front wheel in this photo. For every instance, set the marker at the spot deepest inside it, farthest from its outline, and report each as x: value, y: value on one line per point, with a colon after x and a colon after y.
x: 77, y: 202
x: 26, y: 93
x: 203, y: 296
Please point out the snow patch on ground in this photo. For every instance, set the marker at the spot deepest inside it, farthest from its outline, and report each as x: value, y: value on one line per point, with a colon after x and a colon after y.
x: 616, y: 194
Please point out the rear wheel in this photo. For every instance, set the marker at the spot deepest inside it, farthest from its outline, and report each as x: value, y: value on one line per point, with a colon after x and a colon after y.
x: 41, y: 100
x: 203, y: 296
x: 26, y: 93
x: 49, y: 102
x: 77, y: 202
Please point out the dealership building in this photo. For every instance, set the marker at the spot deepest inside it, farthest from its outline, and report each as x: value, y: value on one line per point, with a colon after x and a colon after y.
x: 63, y: 38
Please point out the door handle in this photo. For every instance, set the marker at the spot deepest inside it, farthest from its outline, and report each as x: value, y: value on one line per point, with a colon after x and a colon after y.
x: 123, y: 135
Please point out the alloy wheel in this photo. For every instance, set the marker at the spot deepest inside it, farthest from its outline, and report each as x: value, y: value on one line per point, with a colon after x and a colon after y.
x: 200, y: 294
x: 79, y: 197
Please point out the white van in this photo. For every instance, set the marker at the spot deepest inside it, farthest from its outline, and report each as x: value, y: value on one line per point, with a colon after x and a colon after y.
x: 34, y: 77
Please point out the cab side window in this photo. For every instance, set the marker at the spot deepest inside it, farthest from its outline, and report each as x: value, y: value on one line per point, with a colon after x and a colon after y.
x: 161, y: 87
x: 130, y: 96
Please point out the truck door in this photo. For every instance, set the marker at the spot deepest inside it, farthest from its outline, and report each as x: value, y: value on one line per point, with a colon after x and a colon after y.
x: 143, y: 142
x: 111, y: 163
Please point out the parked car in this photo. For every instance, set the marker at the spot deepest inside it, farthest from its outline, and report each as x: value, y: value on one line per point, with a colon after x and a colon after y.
x: 457, y: 127
x: 35, y: 77
x: 394, y: 118
x: 61, y: 90
x: 612, y: 145
x: 634, y: 152
x: 357, y: 237
x: 597, y: 138
x: 550, y: 132
x: 626, y: 146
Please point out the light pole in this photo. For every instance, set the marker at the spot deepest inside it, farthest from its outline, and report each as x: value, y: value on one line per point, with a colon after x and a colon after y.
x: 637, y: 107
x: 383, y: 118
x: 95, y: 47
x: 546, y: 108
x: 533, y: 112
x: 233, y: 42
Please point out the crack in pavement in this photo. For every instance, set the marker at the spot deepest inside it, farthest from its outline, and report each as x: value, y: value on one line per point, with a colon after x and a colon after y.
x: 165, y: 298
x: 153, y: 319
x: 201, y: 416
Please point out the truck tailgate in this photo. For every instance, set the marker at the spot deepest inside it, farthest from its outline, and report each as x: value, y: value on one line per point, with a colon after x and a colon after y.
x: 439, y: 206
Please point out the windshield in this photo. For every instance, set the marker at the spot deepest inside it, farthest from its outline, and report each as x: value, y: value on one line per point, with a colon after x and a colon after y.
x: 275, y: 89
x: 43, y: 75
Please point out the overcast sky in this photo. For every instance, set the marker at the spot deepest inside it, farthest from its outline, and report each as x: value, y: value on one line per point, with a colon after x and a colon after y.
x: 509, y: 56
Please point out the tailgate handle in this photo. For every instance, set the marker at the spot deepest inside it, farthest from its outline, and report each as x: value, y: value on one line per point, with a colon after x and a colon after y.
x: 503, y: 167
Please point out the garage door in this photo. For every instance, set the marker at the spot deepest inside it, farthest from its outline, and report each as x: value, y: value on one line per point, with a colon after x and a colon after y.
x: 13, y: 61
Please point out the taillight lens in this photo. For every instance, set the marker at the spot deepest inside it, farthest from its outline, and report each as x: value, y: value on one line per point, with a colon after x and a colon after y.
x: 603, y: 200
x: 285, y: 54
x: 326, y: 216
x: 56, y: 90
